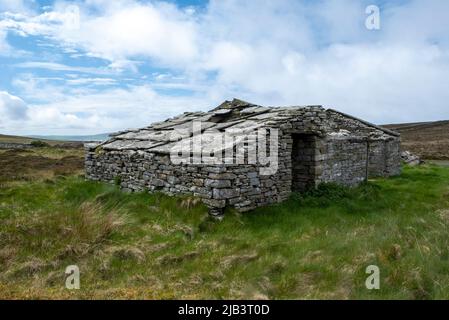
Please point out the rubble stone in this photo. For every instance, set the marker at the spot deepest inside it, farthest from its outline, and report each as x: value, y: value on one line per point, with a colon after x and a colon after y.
x: 410, y: 158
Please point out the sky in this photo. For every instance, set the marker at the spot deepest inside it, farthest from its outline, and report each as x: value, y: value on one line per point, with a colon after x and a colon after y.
x: 96, y: 66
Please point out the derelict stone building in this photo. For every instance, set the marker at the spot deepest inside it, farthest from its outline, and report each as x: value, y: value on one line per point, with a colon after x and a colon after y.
x: 220, y: 155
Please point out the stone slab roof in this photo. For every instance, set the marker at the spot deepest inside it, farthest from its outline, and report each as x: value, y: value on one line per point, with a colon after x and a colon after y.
x: 161, y: 137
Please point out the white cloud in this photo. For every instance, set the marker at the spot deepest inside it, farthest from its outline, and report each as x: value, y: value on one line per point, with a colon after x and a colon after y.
x: 287, y: 52
x: 160, y: 32
x: 123, y: 29
x: 12, y: 107
x: 56, y: 121
x: 16, y: 115
x: 5, y: 48
x: 75, y: 109
x: 418, y: 21
x: 37, y: 89
x: 92, y: 81
x: 119, y: 108
x: 59, y: 67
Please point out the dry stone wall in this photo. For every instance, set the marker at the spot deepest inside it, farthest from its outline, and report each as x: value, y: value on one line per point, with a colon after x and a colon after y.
x: 10, y: 145
x: 239, y: 186
x: 344, y: 161
x: 384, y: 158
x: 314, y: 146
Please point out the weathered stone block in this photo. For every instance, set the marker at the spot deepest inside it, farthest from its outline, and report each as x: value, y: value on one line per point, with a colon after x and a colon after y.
x: 225, y: 193
x: 215, y: 203
x: 217, y: 183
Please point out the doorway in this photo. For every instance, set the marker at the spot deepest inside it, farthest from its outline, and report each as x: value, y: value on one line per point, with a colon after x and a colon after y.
x: 303, y: 161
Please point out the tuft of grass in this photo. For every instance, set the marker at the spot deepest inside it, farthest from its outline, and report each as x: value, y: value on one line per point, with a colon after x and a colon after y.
x: 118, y: 180
x: 316, y: 245
x: 39, y: 144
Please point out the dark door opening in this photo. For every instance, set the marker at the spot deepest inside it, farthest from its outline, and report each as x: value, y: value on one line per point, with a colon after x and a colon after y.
x: 303, y: 161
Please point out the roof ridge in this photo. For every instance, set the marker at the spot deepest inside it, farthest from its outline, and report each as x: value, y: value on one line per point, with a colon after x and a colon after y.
x: 234, y: 103
x: 394, y: 133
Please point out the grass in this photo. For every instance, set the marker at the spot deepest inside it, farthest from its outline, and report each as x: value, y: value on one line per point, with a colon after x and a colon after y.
x: 25, y: 140
x: 314, y: 246
x: 38, y: 163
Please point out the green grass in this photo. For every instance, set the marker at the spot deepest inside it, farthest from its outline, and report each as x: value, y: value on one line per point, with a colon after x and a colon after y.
x: 315, y: 245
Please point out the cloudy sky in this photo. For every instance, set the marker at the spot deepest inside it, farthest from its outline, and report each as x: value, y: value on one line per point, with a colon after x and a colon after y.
x: 95, y: 66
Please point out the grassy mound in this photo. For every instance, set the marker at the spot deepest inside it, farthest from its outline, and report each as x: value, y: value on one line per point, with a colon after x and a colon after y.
x: 316, y: 245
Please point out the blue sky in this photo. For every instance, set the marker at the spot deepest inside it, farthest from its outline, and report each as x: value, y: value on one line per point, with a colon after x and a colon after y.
x: 94, y: 66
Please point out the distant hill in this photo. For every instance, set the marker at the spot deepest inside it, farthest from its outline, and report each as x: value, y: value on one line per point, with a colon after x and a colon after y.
x: 60, y: 141
x: 25, y: 140
x: 96, y: 137
x: 430, y: 140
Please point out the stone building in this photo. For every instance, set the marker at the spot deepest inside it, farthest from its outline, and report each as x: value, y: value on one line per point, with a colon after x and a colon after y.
x: 220, y: 155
